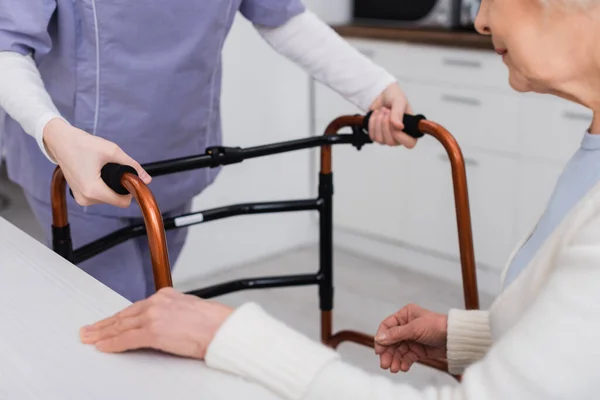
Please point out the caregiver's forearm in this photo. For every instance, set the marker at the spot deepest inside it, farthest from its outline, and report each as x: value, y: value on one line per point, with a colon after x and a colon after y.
x: 312, y: 44
x: 24, y: 97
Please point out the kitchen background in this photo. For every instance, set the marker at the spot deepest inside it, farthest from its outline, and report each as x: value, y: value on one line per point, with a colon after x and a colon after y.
x: 395, y: 227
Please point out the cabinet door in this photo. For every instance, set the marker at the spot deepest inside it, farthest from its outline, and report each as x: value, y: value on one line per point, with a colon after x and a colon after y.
x: 329, y: 105
x: 536, y: 181
x: 370, y: 189
x: 476, y: 118
x: 552, y: 128
x: 479, y: 68
x: 431, y: 219
x: 407, y: 195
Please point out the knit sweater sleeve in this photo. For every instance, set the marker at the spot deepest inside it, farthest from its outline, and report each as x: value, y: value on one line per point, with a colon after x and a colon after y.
x: 469, y: 338
x: 548, y: 353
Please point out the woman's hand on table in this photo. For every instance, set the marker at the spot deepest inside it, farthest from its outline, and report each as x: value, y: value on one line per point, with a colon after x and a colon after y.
x: 81, y: 156
x: 168, y: 321
x: 409, y: 335
x: 385, y: 125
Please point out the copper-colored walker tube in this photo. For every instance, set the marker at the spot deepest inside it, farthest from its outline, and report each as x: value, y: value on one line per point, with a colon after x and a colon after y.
x: 463, y: 219
x: 152, y: 218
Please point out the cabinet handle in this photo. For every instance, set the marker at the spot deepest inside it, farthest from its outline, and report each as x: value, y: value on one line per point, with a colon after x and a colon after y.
x: 469, y: 162
x: 367, y: 53
x: 577, y: 116
x: 470, y: 101
x: 453, y: 62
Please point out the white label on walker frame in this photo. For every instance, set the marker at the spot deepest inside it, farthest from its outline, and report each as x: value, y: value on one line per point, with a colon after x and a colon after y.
x: 188, y: 220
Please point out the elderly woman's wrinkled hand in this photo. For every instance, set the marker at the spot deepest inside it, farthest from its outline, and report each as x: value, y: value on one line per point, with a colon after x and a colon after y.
x: 168, y: 321
x: 409, y: 335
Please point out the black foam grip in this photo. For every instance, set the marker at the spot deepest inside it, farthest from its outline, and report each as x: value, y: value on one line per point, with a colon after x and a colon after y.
x: 111, y: 175
x: 411, y: 124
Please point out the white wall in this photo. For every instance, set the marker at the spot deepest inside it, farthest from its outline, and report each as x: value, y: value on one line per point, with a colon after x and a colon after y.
x: 334, y: 12
x: 254, y: 114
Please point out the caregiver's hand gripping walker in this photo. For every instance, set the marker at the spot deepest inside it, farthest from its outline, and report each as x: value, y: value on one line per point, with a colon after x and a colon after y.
x: 123, y: 179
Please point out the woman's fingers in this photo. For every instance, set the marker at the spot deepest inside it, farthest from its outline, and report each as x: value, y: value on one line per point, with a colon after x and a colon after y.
x: 380, y: 349
x: 132, y: 310
x: 396, y: 334
x: 126, y: 318
x: 385, y: 360
x: 118, y: 327
x: 130, y: 340
x: 396, y: 363
x: 408, y: 360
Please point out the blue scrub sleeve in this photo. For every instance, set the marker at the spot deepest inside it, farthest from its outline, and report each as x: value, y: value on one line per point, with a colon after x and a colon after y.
x: 24, y: 25
x: 271, y: 13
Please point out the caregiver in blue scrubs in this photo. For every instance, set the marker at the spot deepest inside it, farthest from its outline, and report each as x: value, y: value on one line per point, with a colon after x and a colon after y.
x: 87, y: 82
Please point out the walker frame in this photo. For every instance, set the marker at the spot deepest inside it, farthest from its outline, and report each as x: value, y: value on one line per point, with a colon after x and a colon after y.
x: 123, y: 179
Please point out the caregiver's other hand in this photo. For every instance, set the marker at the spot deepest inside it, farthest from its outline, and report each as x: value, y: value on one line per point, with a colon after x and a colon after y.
x: 409, y: 335
x: 168, y: 321
x: 385, y: 125
x: 81, y: 157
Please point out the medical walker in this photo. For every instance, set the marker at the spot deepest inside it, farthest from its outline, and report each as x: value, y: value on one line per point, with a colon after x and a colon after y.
x: 123, y: 180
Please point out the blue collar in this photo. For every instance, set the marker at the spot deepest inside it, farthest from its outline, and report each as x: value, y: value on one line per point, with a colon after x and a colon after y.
x: 590, y: 141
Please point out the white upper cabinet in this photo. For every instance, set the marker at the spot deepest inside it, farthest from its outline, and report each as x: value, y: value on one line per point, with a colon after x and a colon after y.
x: 552, y: 128
x: 514, y: 148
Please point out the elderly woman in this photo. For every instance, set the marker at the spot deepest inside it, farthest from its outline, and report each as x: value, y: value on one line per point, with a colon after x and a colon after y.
x: 538, y: 340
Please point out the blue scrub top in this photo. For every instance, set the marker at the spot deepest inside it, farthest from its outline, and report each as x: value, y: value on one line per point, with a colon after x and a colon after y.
x: 144, y: 74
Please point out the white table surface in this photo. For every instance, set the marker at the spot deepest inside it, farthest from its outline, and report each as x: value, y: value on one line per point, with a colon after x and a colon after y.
x: 44, y: 300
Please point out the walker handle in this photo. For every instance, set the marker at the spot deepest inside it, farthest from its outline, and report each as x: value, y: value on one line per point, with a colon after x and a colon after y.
x: 411, y: 124
x: 111, y: 175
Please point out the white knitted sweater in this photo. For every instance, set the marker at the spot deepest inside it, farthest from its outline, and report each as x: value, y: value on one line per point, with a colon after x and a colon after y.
x: 537, y: 341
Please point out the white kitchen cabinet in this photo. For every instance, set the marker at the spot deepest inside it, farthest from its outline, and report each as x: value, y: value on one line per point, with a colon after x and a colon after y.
x: 430, y: 220
x: 454, y: 66
x: 392, y: 56
x: 370, y: 189
x: 475, y: 117
x: 330, y: 105
x: 407, y: 195
x: 535, y: 183
x: 552, y: 128
x: 511, y: 143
